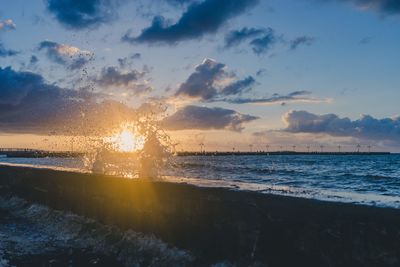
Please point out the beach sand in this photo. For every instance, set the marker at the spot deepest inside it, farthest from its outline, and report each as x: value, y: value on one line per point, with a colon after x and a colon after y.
x: 219, y: 224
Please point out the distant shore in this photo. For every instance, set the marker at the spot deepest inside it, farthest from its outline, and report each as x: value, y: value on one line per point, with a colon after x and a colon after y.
x: 32, y: 153
x: 218, y: 224
x: 273, y: 153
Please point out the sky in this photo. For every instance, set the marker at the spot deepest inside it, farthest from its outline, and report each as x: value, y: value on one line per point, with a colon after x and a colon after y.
x: 226, y: 73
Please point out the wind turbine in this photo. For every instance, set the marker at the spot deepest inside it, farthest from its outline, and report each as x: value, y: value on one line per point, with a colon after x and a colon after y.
x: 322, y: 148
x: 174, y: 147
x: 201, y: 147
x: 308, y: 149
x: 339, y: 148
x: 369, y: 148
x: 267, y: 146
x: 251, y: 147
x: 294, y: 148
x: 358, y: 148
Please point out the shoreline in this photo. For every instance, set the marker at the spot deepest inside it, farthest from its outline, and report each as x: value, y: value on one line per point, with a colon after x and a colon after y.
x: 221, y: 224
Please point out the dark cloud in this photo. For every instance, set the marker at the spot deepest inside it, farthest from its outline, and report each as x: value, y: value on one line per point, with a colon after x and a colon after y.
x: 367, y: 127
x: 261, y: 72
x: 204, y: 118
x: 80, y: 14
x: 7, y: 25
x: 301, y: 40
x: 239, y: 87
x: 387, y: 7
x: 207, y: 82
x: 67, y: 55
x: 365, y: 40
x: 296, y: 96
x: 112, y: 77
x: 33, y: 59
x: 236, y: 37
x: 180, y: 2
x: 259, y: 39
x: 127, y: 62
x: 262, y: 44
x: 201, y: 83
x: 4, y: 52
x: 211, y: 82
x: 28, y: 104
x: 199, y: 19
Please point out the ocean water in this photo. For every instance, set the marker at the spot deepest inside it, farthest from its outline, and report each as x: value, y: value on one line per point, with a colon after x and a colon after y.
x: 363, y: 179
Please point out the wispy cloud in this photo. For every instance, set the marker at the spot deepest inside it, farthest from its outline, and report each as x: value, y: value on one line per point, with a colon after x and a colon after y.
x: 301, y: 40
x: 67, y: 55
x: 387, y: 7
x: 293, y: 97
x: 7, y: 25
x: 5, y: 52
x: 259, y: 39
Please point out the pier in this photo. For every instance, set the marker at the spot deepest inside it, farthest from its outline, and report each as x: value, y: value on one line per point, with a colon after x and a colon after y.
x: 37, y: 153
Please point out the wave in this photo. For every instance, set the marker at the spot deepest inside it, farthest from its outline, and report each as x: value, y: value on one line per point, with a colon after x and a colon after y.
x: 48, y: 229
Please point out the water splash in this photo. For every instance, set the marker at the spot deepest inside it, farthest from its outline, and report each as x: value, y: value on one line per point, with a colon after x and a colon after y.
x: 143, y: 142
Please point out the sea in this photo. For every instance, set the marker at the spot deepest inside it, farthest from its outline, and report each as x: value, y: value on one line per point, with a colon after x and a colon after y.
x: 363, y: 179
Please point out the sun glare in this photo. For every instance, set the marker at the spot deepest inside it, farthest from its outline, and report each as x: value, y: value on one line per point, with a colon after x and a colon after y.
x: 126, y: 141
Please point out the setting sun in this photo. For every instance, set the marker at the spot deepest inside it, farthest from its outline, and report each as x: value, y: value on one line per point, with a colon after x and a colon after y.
x: 126, y: 141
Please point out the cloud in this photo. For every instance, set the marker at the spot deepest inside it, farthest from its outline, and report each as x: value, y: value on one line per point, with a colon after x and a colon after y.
x: 7, y: 25
x: 28, y: 104
x: 127, y: 62
x: 112, y: 77
x: 262, y: 44
x: 301, y: 40
x: 4, y: 52
x: 211, y: 81
x: 201, y: 83
x: 33, y: 59
x: 239, y: 86
x: 261, y: 72
x: 259, y: 39
x: 296, y: 96
x: 67, y: 55
x: 386, y: 7
x: 204, y: 118
x: 200, y: 18
x: 83, y: 13
x: 365, y: 40
x: 179, y: 2
x: 367, y: 127
x: 236, y: 37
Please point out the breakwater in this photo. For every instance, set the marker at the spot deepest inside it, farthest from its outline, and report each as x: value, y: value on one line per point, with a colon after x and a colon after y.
x: 218, y: 224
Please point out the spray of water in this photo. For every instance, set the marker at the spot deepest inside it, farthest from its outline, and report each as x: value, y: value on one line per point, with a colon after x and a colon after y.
x: 138, y: 149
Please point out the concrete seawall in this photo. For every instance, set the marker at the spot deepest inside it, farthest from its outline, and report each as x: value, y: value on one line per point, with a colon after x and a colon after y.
x: 221, y: 224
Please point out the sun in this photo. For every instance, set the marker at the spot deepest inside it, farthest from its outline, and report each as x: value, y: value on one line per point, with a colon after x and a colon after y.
x: 126, y: 141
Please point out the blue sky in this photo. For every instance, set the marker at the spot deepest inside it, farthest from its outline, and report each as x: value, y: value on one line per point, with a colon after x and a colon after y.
x: 346, y: 63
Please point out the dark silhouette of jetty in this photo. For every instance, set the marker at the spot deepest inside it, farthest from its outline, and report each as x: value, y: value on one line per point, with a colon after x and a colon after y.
x: 35, y: 153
